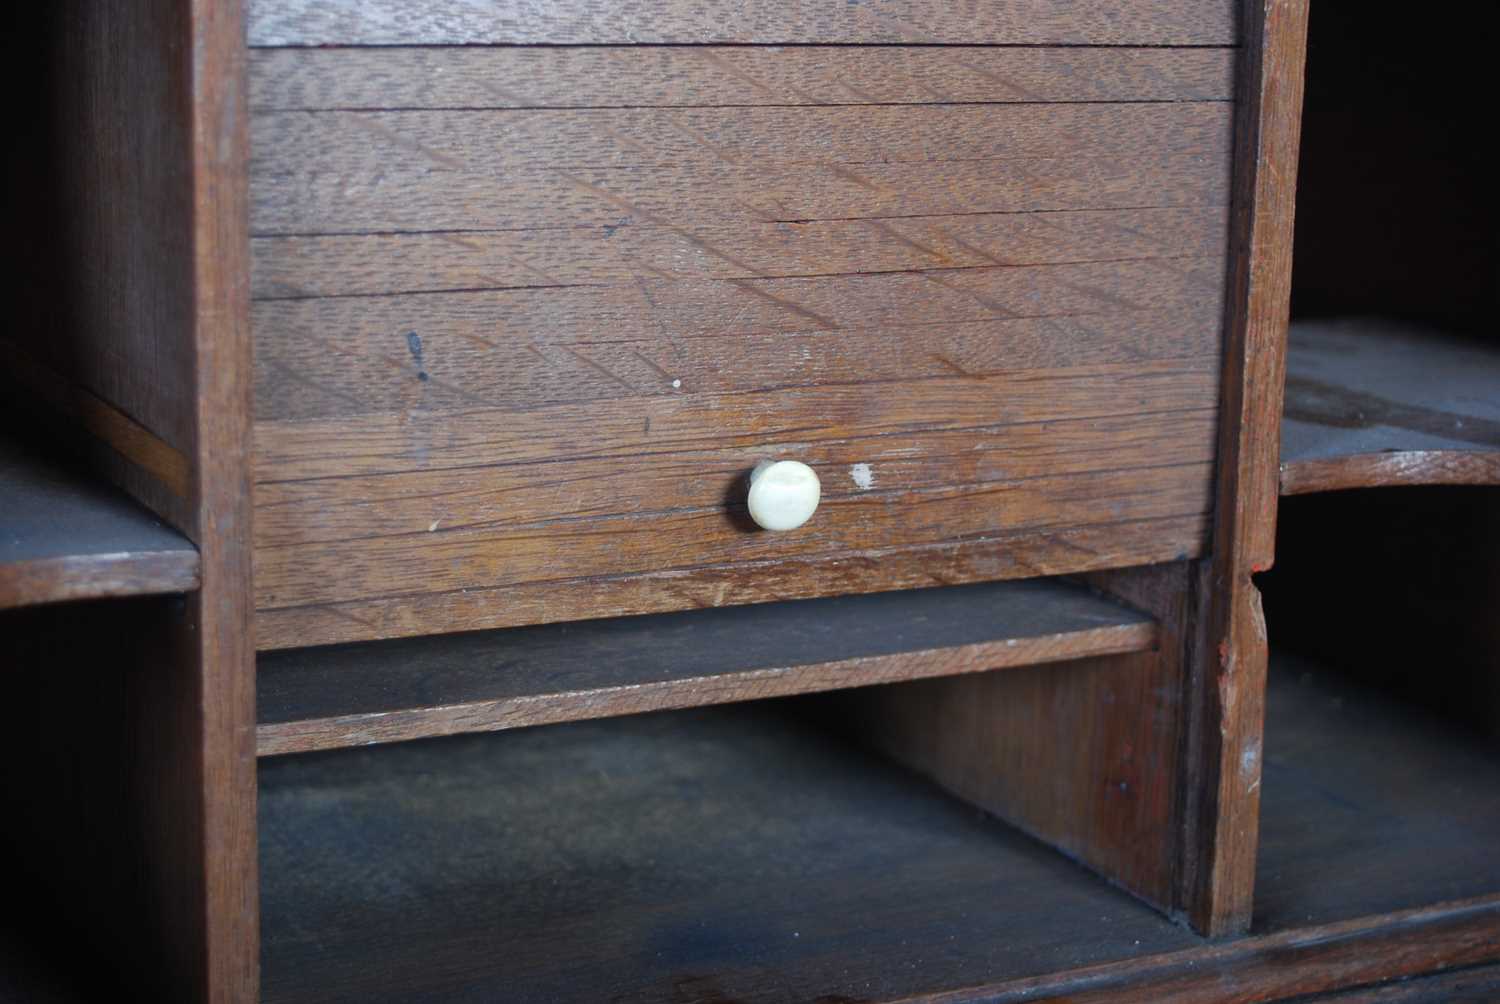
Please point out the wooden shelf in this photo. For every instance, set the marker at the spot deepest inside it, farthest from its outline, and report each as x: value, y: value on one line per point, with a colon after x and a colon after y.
x: 715, y: 854
x: 351, y: 695
x: 741, y: 853
x: 1368, y: 806
x: 1373, y: 402
x: 65, y: 537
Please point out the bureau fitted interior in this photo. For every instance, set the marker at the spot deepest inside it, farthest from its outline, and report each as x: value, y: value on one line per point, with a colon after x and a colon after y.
x: 525, y: 317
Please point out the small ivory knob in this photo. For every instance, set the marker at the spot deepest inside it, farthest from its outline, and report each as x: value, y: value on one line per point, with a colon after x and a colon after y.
x: 783, y: 495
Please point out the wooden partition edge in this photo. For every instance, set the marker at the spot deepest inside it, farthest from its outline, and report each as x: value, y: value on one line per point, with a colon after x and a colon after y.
x: 1275, y: 966
x: 223, y: 633
x: 1227, y: 666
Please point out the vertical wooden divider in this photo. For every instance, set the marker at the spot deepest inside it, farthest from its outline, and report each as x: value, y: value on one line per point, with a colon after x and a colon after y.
x: 1085, y: 755
x: 132, y: 334
x: 1227, y: 668
x: 1147, y: 767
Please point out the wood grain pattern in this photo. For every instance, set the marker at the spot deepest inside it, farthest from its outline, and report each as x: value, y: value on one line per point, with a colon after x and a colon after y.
x: 413, y: 197
x: 996, y: 556
x: 381, y: 579
x: 499, y: 143
x: 1389, y: 470
x: 1470, y: 985
x: 388, y: 691
x: 458, y: 22
x: 467, y: 313
x: 1284, y: 966
x: 771, y: 421
x: 1108, y: 795
x: 488, y: 556
x: 370, y: 264
x: 1226, y: 682
x: 136, y: 292
x: 1374, y: 402
x: 64, y: 536
x: 160, y: 473
x: 524, y: 350
x: 291, y: 513
x: 688, y: 76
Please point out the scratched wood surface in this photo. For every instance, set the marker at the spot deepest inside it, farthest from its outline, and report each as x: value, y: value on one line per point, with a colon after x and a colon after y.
x: 296, y: 79
x: 463, y: 22
x: 1373, y: 402
x: 519, y: 342
x: 355, y: 695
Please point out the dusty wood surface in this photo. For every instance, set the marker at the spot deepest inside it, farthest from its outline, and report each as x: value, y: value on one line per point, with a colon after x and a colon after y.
x: 698, y: 76
x: 1369, y: 804
x: 65, y: 536
x: 748, y: 858
x: 384, y: 691
x: 1108, y: 793
x: 1226, y: 673
x: 1373, y: 402
x: 457, y: 22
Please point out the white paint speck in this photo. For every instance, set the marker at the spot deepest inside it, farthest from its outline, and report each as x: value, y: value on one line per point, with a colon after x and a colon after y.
x: 676, y: 383
x: 864, y: 477
x: 434, y: 525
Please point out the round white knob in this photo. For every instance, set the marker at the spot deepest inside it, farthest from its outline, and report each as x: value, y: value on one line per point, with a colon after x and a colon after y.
x: 783, y: 495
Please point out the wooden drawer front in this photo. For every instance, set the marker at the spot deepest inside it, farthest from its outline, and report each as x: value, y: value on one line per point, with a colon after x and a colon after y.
x: 526, y: 317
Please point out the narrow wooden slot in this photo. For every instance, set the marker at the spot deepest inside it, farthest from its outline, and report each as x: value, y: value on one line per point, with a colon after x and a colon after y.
x: 375, y: 692
x: 64, y: 536
x: 1374, y: 402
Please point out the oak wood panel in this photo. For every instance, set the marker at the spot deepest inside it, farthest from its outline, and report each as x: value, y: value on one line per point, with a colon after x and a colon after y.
x: 387, y: 691
x: 498, y: 143
x: 401, y: 198
x: 289, y: 450
x: 289, y: 513
x: 525, y: 349
x: 996, y: 556
x: 1226, y: 679
x: 487, y: 556
x: 498, y: 288
x: 679, y: 76
x: 458, y: 22
x: 366, y: 264
x: 1372, y: 401
x: 1108, y: 795
x: 64, y: 536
